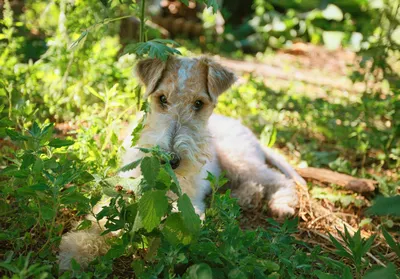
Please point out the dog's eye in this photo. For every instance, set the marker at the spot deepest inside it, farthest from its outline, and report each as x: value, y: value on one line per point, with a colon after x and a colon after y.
x: 163, y: 100
x: 198, y: 105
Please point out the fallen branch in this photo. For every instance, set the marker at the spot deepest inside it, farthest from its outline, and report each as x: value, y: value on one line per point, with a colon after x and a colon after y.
x: 303, y: 75
x: 348, y: 182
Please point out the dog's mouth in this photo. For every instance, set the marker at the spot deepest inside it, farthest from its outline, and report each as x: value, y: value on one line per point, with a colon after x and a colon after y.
x: 184, y: 166
x: 175, y: 160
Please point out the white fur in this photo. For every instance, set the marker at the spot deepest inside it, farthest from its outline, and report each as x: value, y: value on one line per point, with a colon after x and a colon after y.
x: 236, y: 150
x: 184, y: 71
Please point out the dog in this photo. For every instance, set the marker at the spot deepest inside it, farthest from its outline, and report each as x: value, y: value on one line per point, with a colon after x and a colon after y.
x: 183, y: 93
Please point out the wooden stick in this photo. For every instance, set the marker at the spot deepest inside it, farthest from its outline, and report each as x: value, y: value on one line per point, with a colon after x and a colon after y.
x: 348, y: 182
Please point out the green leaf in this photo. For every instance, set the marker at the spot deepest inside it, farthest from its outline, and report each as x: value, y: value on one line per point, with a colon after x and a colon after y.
x: 175, y: 187
x: 391, y: 242
x: 138, y: 223
x: 138, y: 267
x: 340, y: 249
x: 15, y: 136
x: 38, y: 166
x: 213, y: 4
x: 27, y: 160
x: 388, y: 272
x: 130, y: 166
x: 237, y: 274
x: 95, y: 198
x: 385, y: 206
x: 164, y: 177
x: 85, y: 224
x: 47, y: 132
x: 116, y: 251
x: 39, y: 187
x: 5, y: 122
x: 347, y: 273
x: 129, y: 213
x: 190, y: 219
x: 51, y: 163
x: 67, y: 177
x: 110, y: 192
x: 60, y: 143
x: 273, y: 137
x: 137, y: 131
x: 5, y: 236
x: 75, y: 265
x: 25, y: 191
x: 74, y: 197
x: 269, y: 265
x: 153, y: 248
x: 95, y: 93
x: 35, y: 131
x: 47, y: 212
x: 156, y: 48
x: 85, y: 177
x: 9, y: 267
x: 367, y: 244
x: 14, y: 171
x: 199, y: 271
x: 153, y: 206
x: 175, y: 231
x: 114, y: 139
x: 150, y: 167
x: 80, y: 41
x: 322, y: 275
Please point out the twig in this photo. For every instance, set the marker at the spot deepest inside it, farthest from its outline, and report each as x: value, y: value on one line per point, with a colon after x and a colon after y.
x: 319, y: 218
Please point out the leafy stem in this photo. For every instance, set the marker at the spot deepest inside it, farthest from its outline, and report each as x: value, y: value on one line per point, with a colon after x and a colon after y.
x: 84, y: 34
x: 141, y: 34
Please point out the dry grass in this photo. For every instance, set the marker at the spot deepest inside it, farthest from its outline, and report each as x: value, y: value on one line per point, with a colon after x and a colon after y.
x: 317, y: 218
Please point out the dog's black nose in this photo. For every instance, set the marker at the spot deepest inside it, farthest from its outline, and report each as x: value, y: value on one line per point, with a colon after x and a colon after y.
x: 175, y: 161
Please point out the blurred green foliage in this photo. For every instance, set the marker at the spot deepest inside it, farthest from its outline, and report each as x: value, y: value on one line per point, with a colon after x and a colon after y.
x: 356, y: 23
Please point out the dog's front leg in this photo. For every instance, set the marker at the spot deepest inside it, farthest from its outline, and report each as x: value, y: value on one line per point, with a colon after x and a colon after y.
x: 195, y: 191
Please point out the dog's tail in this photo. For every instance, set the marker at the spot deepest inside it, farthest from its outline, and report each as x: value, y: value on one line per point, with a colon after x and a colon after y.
x: 278, y: 161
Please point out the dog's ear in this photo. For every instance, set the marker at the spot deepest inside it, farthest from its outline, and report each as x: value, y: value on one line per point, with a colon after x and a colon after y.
x: 150, y: 72
x: 219, y: 79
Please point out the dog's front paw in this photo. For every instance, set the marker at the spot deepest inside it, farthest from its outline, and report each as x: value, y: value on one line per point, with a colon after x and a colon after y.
x: 283, y: 203
x: 280, y: 211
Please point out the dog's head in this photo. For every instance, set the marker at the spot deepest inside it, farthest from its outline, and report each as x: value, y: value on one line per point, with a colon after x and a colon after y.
x: 183, y: 93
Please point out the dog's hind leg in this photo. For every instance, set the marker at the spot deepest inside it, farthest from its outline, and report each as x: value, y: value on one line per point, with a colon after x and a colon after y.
x: 85, y: 245
x: 82, y: 246
x: 278, y: 161
x: 244, y: 159
x: 252, y: 184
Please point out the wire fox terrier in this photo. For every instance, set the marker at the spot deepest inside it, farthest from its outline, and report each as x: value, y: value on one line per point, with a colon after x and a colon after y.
x: 183, y: 93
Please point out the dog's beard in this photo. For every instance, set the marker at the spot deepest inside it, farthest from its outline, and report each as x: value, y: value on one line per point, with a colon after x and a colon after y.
x: 194, y: 151
x: 189, y: 140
